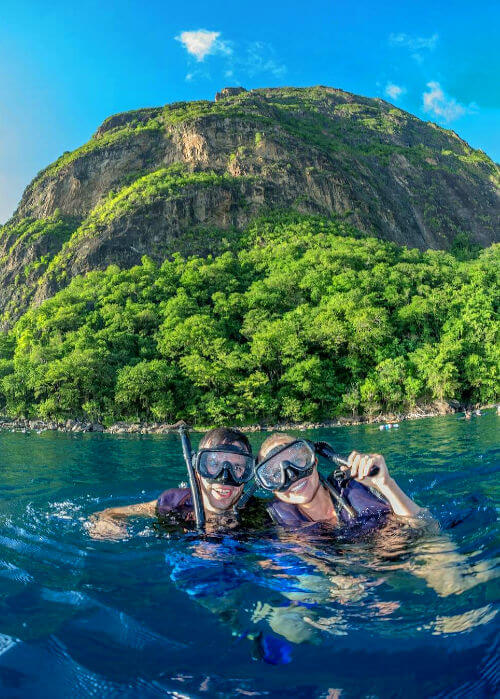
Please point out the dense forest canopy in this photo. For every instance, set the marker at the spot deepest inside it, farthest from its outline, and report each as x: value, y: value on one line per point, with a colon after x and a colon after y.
x: 300, y: 318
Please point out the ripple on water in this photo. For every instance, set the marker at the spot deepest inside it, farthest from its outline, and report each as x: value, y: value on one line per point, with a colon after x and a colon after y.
x: 183, y: 616
x: 6, y: 643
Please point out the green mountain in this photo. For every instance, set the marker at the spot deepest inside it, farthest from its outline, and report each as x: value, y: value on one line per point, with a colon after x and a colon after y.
x: 279, y: 254
x: 189, y: 177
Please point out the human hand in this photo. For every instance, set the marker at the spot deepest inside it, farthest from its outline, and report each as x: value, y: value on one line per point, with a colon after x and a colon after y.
x: 361, y: 465
x: 261, y: 611
x: 103, y: 528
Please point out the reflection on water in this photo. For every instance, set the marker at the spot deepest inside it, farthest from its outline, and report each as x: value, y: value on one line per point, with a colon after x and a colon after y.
x: 401, y: 613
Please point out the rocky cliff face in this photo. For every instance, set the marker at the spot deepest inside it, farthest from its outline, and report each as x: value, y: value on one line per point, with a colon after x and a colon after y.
x: 161, y: 180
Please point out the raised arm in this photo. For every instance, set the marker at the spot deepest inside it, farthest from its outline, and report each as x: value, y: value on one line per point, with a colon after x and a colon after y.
x: 400, y: 503
x: 112, y: 522
x: 434, y: 556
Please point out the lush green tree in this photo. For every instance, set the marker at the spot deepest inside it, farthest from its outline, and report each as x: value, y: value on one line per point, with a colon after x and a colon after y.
x: 305, y: 318
x: 147, y: 389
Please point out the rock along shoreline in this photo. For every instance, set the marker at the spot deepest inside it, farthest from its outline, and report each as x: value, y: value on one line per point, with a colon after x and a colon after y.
x: 78, y: 426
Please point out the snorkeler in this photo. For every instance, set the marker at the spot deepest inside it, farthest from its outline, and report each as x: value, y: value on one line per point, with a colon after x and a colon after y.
x: 357, y: 503
x: 222, y: 466
x: 362, y: 493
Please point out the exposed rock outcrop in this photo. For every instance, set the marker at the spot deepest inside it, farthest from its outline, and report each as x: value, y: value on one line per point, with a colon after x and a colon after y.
x: 160, y: 180
x: 229, y: 92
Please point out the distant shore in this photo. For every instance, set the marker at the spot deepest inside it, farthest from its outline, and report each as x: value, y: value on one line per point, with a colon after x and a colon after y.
x: 78, y: 426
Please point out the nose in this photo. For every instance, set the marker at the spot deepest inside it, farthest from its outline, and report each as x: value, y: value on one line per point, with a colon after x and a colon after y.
x: 227, y: 474
x: 289, y: 470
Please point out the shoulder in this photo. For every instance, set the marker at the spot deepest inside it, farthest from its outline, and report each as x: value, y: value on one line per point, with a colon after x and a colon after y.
x: 172, y: 499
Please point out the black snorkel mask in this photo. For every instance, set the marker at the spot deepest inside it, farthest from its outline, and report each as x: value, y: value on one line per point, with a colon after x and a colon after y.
x: 226, y: 464
x: 285, y: 465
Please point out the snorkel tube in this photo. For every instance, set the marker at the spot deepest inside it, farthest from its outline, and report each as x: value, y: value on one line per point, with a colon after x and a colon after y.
x: 187, y: 451
x: 336, y: 496
x: 327, y: 451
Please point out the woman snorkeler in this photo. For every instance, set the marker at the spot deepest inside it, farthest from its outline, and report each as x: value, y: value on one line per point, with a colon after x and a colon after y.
x: 287, y: 466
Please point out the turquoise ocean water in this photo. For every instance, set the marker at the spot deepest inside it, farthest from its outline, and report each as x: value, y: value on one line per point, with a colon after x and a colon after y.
x: 159, y: 614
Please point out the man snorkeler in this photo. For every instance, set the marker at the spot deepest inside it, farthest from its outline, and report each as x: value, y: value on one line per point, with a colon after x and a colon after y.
x: 222, y: 466
x: 287, y: 467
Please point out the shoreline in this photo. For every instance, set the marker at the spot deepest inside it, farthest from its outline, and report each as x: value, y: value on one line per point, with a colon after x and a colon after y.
x: 81, y: 426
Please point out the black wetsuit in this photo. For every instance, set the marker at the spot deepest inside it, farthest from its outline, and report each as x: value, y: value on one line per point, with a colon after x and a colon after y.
x: 175, y: 508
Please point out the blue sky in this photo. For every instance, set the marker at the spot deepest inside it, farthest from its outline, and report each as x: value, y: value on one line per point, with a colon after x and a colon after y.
x: 65, y: 67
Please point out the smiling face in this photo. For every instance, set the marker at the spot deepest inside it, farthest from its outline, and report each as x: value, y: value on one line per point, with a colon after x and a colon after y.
x: 218, y: 497
x: 302, y: 491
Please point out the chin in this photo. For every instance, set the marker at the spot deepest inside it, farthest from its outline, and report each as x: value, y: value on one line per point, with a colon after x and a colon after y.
x: 222, y: 504
x: 303, y: 496
x: 300, y: 499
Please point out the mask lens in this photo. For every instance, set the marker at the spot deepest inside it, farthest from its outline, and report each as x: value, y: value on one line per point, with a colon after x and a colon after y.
x: 299, y: 455
x: 212, y: 463
x: 271, y: 475
x: 238, y: 467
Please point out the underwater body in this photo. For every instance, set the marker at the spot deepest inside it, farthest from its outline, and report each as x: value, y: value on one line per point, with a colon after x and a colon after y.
x: 268, y: 613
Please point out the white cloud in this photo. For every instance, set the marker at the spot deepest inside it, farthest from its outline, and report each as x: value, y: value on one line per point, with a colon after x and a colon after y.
x: 415, y: 43
x: 201, y: 43
x: 247, y: 60
x: 441, y: 106
x: 394, y: 91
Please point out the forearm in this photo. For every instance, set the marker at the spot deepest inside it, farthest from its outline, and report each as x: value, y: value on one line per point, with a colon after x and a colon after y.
x: 143, y: 509
x: 399, y: 502
x: 362, y: 465
x: 111, y: 523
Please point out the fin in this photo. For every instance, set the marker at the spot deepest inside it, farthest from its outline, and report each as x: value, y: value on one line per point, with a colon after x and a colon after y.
x: 272, y: 650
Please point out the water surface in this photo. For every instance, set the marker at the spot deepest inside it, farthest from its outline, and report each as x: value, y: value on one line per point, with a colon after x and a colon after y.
x: 316, y: 616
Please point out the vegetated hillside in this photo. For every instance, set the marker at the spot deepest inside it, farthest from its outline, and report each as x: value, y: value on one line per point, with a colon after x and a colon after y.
x: 298, y: 320
x: 180, y: 178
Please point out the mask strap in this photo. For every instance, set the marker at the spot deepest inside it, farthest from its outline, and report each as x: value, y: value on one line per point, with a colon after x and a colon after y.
x: 245, y: 497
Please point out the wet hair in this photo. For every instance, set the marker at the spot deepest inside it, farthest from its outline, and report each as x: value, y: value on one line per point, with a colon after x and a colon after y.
x: 224, y: 435
x: 274, y: 441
